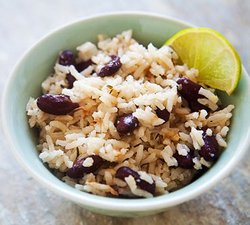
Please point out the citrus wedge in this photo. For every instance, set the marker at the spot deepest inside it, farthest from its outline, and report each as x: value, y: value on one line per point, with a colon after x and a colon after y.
x: 208, y: 51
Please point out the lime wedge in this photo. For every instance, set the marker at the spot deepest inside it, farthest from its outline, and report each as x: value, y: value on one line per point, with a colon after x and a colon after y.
x: 208, y: 51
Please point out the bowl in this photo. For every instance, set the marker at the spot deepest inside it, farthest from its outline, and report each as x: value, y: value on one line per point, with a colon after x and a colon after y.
x: 37, y: 63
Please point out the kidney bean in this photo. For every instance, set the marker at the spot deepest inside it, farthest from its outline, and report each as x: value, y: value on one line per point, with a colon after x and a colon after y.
x: 196, y: 106
x: 185, y: 161
x: 71, y: 79
x: 190, y: 91
x: 66, y: 58
x: 126, y: 124
x: 210, y: 150
x: 78, y: 170
x: 110, y: 68
x: 163, y: 114
x: 56, y: 104
x: 83, y: 65
x: 125, y: 171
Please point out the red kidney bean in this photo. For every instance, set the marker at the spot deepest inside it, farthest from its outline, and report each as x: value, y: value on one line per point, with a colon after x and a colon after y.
x: 190, y: 91
x: 210, y: 150
x: 78, y: 170
x: 126, y: 124
x: 66, y: 58
x: 110, y: 68
x: 56, y: 104
x: 83, y: 65
x: 125, y: 171
x: 163, y: 114
x: 196, y: 106
x: 185, y: 161
x: 79, y: 67
x: 71, y: 79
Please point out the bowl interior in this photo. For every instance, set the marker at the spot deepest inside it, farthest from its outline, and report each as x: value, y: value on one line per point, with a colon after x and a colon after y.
x: 38, y: 63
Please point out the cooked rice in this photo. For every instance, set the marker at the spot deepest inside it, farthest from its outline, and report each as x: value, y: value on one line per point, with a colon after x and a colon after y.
x: 146, y: 81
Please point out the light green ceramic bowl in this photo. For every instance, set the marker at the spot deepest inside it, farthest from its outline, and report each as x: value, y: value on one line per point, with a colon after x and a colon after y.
x: 38, y: 62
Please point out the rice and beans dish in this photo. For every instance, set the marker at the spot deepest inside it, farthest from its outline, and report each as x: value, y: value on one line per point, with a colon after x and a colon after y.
x: 123, y: 120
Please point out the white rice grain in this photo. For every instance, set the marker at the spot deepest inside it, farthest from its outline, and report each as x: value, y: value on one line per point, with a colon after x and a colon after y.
x: 197, y: 139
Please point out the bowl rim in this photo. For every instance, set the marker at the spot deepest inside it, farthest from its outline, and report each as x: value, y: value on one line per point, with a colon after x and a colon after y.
x: 99, y: 202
